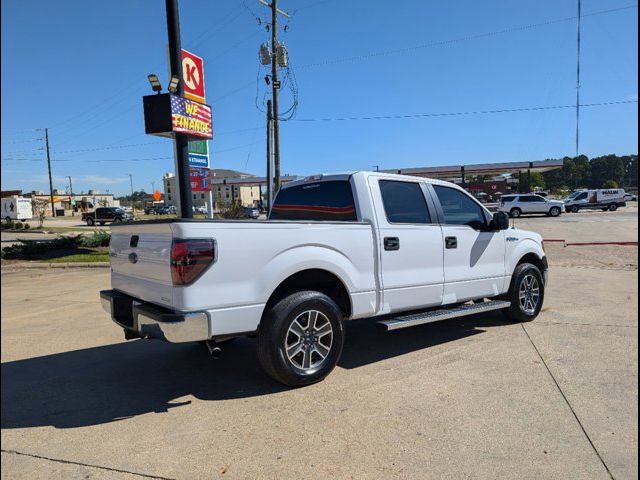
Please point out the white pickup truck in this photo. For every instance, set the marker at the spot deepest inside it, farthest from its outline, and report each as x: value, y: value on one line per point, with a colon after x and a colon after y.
x: 403, y: 250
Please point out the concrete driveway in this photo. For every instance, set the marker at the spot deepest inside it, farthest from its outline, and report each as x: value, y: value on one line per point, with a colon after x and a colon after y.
x: 480, y: 398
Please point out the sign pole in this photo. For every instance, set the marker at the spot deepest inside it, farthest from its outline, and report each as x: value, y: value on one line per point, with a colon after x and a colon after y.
x: 183, y: 181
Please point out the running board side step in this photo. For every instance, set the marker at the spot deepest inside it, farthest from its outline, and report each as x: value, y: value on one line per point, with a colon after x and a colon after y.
x: 442, y: 314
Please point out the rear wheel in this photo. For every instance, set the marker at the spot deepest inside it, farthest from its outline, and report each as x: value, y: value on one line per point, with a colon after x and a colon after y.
x: 554, y: 212
x: 526, y: 293
x: 515, y: 212
x: 300, y: 339
x: 90, y: 221
x: 613, y: 207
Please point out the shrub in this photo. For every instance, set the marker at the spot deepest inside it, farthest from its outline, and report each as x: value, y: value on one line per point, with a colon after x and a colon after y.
x: 17, y: 225
x: 8, y: 224
x: 27, y: 226
x: 99, y: 238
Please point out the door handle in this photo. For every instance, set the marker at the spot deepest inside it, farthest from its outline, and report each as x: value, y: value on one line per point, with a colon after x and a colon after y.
x: 451, y: 242
x: 391, y: 243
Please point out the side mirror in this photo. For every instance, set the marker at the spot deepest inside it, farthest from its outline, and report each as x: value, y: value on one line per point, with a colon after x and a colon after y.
x: 500, y: 221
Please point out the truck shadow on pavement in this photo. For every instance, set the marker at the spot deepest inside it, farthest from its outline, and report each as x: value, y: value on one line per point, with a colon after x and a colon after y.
x: 115, y: 382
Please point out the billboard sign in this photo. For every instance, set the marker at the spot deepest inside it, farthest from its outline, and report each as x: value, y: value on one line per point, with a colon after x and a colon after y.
x: 167, y: 114
x: 193, y: 76
x: 199, y: 153
x: 191, y: 118
x: 200, y: 179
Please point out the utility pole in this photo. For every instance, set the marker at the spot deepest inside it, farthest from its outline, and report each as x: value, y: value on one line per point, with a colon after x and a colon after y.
x: 276, y: 88
x: 269, y: 155
x: 73, y: 212
x: 578, y: 82
x: 133, y: 204
x: 275, y: 85
x: 46, y: 141
x: 181, y: 142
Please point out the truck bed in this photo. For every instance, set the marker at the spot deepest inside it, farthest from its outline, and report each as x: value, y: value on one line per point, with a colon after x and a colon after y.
x: 253, y: 258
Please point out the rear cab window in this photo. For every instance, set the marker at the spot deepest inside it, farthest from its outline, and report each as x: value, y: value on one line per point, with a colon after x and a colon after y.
x: 404, y: 202
x: 331, y: 200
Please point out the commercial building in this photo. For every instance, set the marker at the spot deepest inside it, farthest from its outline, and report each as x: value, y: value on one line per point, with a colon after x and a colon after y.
x: 66, y: 204
x: 224, y: 190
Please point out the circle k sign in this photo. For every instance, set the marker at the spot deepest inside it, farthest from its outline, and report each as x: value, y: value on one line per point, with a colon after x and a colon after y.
x: 193, y: 76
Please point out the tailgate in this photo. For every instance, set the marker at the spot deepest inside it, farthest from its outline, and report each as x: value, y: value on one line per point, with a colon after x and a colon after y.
x: 140, y: 261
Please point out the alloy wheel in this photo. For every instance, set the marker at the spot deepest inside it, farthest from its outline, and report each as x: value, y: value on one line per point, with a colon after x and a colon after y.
x: 529, y: 294
x: 308, y: 340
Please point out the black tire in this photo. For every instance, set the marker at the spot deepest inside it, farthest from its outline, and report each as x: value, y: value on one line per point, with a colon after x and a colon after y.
x: 613, y: 207
x: 575, y: 209
x: 517, y: 312
x: 274, y: 335
x: 515, y: 213
x: 555, y: 212
x: 90, y: 222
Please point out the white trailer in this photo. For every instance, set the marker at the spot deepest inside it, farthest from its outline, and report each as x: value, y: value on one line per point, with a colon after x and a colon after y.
x: 16, y: 208
x: 603, y: 199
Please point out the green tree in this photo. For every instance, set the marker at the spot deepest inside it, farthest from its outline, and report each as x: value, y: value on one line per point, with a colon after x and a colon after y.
x: 610, y: 184
x: 608, y: 167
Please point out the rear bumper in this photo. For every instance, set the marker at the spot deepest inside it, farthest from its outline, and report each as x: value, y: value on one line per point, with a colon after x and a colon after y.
x: 145, y: 320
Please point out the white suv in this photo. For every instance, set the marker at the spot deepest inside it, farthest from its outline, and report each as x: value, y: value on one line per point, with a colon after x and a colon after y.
x: 516, y: 205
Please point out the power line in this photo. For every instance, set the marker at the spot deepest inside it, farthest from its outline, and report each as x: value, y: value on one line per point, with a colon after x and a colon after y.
x: 472, y: 112
x: 433, y: 44
x: 396, y: 51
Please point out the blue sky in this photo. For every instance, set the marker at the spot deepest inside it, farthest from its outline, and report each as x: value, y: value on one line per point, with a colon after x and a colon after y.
x: 80, y: 69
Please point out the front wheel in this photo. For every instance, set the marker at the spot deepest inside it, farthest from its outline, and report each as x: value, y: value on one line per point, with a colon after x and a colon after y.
x: 526, y: 293
x: 300, y: 339
x: 575, y: 209
x: 90, y: 222
x: 554, y: 212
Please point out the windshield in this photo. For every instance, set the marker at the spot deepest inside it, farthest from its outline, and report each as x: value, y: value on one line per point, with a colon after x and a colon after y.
x: 574, y: 195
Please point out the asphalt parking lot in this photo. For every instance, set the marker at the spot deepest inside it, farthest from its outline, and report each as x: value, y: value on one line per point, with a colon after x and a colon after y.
x: 471, y: 398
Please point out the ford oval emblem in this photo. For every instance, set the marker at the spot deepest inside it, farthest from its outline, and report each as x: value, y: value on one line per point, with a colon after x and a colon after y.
x: 133, y: 257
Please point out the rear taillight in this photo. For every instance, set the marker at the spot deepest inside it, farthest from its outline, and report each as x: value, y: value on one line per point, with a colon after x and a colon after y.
x: 190, y: 258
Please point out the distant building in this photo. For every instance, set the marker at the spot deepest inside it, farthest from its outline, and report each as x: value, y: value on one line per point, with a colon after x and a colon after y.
x: 78, y: 202
x: 223, y: 194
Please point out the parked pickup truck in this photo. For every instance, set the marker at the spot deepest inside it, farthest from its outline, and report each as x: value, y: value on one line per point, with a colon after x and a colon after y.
x: 400, y: 250
x: 104, y: 215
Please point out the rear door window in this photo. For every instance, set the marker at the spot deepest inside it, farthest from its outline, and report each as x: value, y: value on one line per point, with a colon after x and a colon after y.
x: 404, y: 202
x: 331, y: 200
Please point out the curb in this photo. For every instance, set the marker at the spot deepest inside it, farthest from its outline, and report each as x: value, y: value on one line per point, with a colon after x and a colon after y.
x: 44, y: 265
